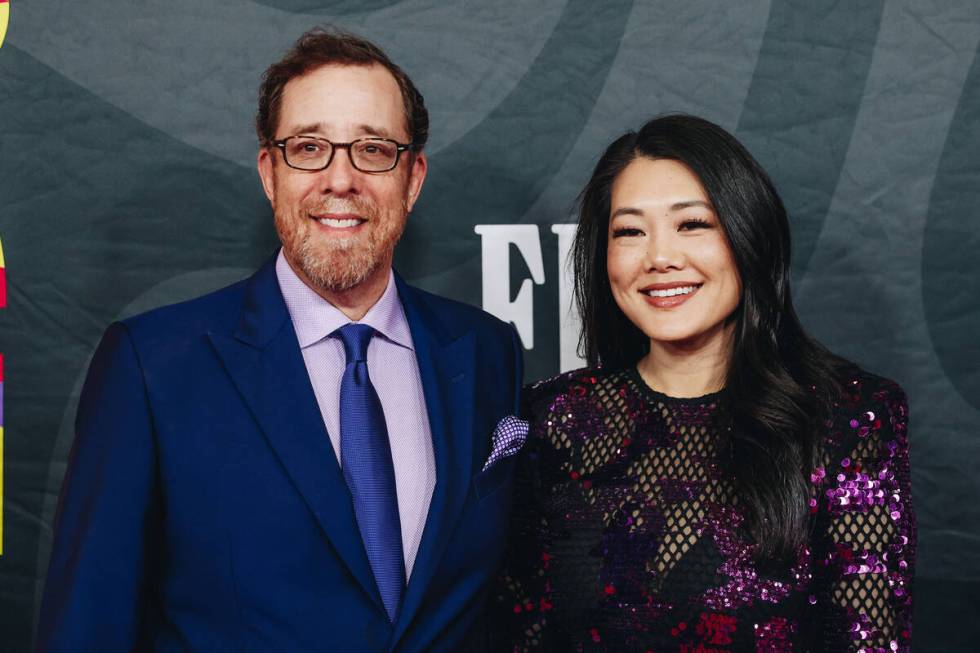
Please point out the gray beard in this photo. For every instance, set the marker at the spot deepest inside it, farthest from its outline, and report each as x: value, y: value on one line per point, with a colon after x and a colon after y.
x: 339, y: 265
x: 345, y: 266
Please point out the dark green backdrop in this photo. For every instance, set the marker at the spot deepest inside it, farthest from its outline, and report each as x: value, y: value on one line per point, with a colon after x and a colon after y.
x: 127, y: 181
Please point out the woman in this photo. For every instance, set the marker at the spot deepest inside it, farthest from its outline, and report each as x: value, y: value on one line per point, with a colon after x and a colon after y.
x: 716, y: 480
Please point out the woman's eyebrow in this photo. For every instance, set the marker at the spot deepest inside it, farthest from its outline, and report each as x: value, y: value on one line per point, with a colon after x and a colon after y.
x: 689, y: 203
x: 625, y: 210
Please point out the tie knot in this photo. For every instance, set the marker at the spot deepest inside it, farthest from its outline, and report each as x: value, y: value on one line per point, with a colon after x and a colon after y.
x: 355, y: 338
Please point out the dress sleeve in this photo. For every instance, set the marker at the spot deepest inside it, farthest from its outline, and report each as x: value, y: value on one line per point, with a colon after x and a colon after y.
x: 869, y: 530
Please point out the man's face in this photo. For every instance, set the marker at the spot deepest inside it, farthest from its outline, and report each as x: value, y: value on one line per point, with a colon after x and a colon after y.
x: 339, y: 226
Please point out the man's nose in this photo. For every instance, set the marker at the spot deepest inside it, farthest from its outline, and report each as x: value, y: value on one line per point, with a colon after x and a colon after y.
x: 340, y: 177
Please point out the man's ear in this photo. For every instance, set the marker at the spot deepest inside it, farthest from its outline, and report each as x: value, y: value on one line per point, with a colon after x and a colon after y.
x: 264, y: 163
x: 416, y: 177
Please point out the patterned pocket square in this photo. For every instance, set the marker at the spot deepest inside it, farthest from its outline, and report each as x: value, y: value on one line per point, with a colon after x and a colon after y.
x: 508, y: 438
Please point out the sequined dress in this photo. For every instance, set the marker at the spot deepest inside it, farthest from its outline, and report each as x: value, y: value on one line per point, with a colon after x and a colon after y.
x: 628, y: 534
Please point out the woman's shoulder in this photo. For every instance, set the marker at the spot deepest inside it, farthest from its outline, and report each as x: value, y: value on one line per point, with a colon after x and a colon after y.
x: 581, y: 386
x: 858, y: 385
x: 861, y: 391
x: 869, y: 409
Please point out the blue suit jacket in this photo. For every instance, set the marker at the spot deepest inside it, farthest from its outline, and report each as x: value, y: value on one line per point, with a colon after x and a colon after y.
x: 204, y: 508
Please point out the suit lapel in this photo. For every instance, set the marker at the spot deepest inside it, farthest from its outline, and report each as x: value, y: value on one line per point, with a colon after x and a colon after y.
x: 264, y: 361
x: 446, y: 366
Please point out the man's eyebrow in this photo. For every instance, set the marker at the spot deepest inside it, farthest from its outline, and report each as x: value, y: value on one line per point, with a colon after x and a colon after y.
x: 310, y: 128
x: 318, y: 128
x: 376, y: 131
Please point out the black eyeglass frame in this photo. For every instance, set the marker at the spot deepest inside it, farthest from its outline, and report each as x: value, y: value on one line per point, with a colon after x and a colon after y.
x: 399, y: 148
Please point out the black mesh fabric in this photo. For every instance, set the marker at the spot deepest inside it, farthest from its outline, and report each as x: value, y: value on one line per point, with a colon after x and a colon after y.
x: 628, y: 533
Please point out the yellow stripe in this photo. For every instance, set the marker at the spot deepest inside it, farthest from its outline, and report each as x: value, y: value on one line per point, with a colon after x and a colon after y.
x: 1, y: 253
x: 4, y: 16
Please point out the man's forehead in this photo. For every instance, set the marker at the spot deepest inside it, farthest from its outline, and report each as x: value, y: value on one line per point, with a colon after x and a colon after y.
x: 314, y: 128
x: 363, y: 98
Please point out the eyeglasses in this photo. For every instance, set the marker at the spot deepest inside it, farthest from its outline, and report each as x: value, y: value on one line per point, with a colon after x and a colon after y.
x: 366, y: 154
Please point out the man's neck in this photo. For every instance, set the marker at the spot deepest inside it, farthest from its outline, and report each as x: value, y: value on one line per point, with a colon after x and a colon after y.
x: 688, y: 368
x: 354, y: 302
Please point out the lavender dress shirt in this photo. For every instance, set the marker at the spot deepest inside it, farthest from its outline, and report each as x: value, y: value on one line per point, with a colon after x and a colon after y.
x: 395, y: 375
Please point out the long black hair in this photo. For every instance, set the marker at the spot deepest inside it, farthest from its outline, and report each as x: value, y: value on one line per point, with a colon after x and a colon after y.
x: 780, y: 382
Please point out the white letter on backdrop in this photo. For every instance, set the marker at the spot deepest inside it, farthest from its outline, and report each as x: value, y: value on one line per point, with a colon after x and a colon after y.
x: 495, y: 242
x: 569, y: 323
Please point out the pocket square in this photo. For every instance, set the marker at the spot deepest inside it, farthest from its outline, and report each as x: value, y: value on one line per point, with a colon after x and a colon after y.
x: 508, y: 438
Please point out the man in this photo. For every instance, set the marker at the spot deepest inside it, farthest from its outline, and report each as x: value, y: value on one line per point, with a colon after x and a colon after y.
x: 301, y: 461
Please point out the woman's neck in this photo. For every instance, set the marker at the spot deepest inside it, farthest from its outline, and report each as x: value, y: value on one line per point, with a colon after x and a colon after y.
x: 688, y: 368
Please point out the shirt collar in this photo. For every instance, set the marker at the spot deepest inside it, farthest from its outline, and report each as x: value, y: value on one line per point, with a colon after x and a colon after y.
x: 314, y: 318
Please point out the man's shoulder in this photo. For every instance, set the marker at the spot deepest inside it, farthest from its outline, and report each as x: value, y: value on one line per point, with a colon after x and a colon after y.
x: 218, y: 310
x: 453, y: 313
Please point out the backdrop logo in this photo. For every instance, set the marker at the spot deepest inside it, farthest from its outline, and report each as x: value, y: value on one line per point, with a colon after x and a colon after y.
x: 496, y: 241
x: 4, y: 17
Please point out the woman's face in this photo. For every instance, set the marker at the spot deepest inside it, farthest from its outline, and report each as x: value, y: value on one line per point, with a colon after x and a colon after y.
x: 669, y: 263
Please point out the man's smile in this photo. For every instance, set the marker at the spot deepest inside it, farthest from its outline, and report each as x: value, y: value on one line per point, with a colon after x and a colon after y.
x: 339, y: 220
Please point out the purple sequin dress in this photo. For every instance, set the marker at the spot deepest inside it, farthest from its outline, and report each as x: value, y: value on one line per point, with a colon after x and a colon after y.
x: 628, y: 535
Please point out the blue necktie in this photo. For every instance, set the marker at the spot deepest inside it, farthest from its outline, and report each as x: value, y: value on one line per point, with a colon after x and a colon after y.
x: 365, y: 456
